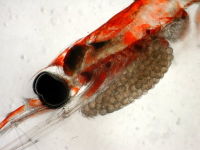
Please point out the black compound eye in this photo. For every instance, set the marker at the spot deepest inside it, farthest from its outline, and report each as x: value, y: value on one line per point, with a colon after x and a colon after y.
x: 52, y: 90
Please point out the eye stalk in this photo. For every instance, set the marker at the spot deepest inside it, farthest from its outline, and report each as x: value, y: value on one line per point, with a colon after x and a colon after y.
x: 52, y: 90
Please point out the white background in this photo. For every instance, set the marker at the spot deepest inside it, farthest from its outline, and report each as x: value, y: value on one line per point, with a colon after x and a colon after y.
x: 33, y: 32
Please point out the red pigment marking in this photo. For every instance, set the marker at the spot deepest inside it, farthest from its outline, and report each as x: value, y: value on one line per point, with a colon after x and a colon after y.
x: 59, y: 61
x: 142, y: 27
x: 106, y: 67
x: 153, y: 31
x: 101, y: 78
x: 12, y: 115
x: 85, y: 77
x: 111, y: 28
x: 129, y: 38
x: 88, y: 57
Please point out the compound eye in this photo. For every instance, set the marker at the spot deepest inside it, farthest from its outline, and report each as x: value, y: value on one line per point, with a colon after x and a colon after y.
x: 52, y: 90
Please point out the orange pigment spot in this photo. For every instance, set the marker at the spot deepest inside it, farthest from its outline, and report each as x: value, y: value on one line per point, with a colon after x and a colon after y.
x: 34, y: 102
x: 129, y: 38
x: 75, y: 89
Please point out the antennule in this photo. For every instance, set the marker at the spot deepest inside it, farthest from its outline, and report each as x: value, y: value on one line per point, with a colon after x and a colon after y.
x: 31, y: 103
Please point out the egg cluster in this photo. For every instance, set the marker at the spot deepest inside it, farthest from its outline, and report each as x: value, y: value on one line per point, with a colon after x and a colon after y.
x: 136, y: 79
